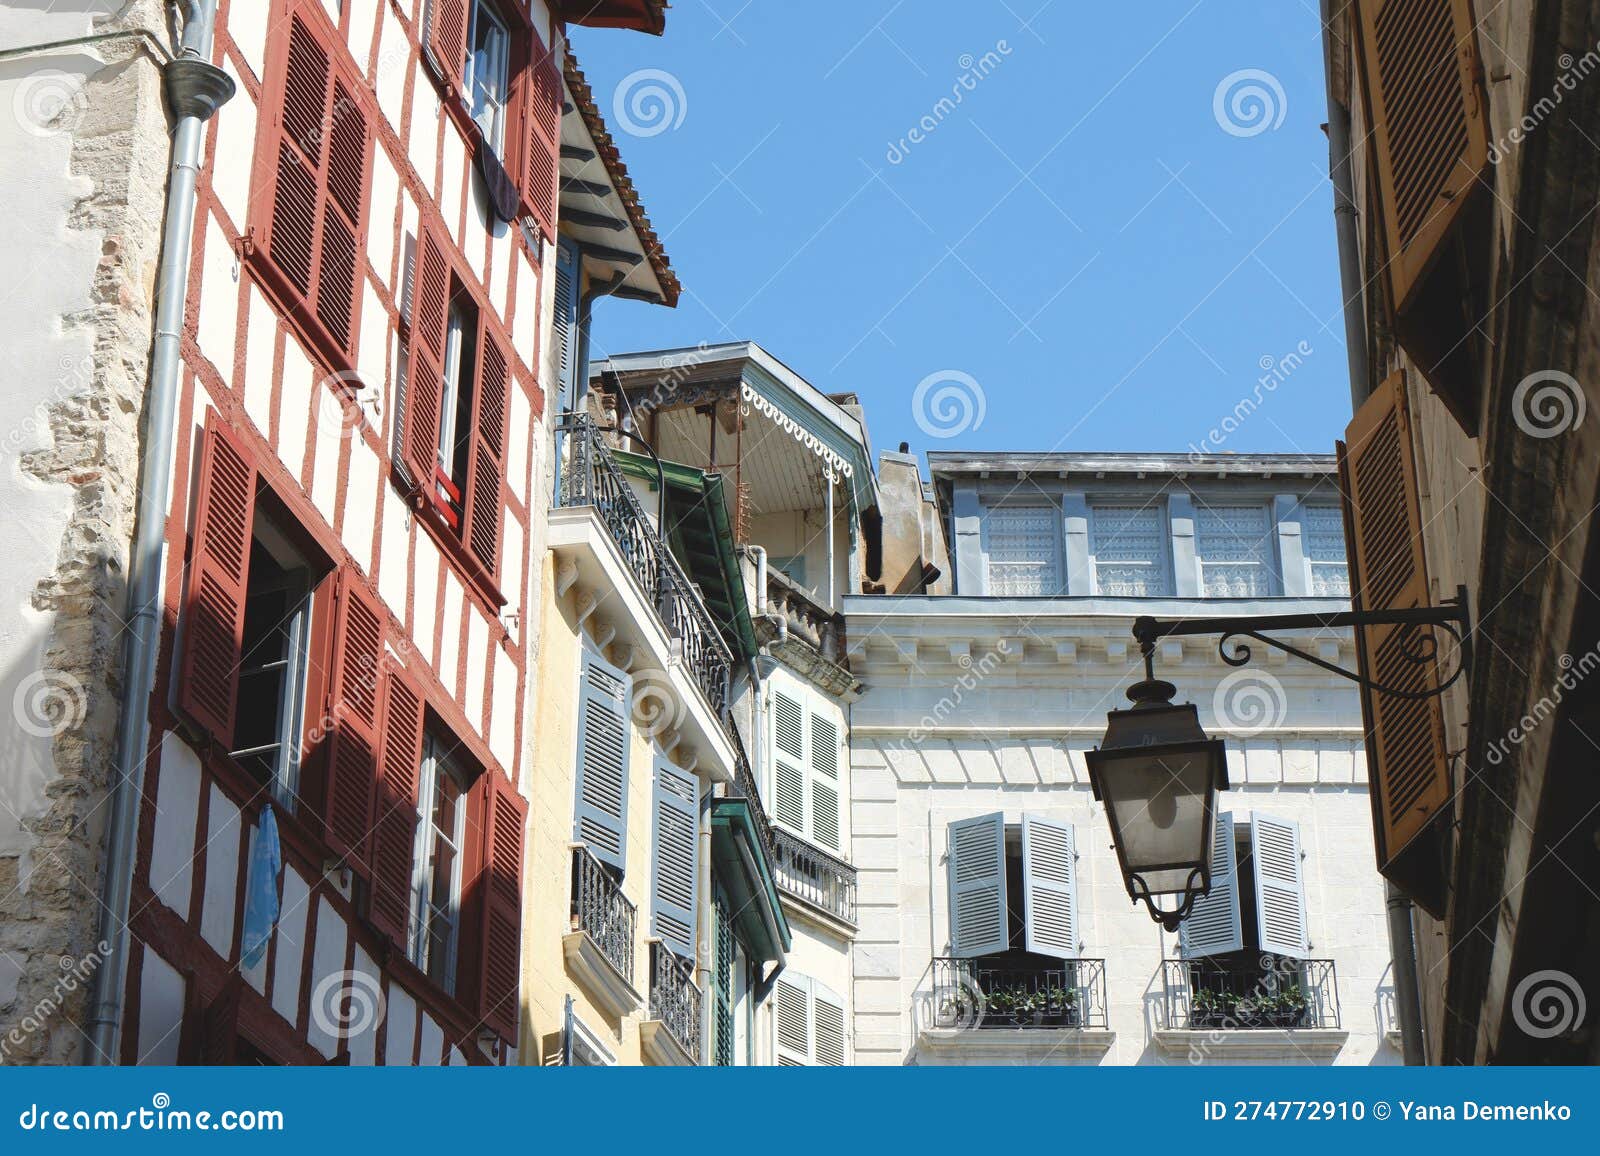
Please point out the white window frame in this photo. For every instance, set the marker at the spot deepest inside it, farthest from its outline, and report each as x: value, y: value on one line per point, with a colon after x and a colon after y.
x: 498, y: 60
x: 1161, y: 564
x: 1312, y: 562
x: 450, y: 389
x: 1270, y: 561
x: 1055, y: 568
x: 436, y: 760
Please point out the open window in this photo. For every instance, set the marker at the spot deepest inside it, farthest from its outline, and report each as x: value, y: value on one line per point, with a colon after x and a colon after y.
x: 488, y: 74
x: 444, y: 788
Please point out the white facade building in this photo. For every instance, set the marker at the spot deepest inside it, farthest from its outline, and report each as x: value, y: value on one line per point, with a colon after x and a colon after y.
x: 969, y: 790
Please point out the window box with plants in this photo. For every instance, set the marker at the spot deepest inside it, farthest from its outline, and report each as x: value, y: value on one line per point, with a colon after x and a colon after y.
x: 1024, y: 1006
x: 1223, y: 1009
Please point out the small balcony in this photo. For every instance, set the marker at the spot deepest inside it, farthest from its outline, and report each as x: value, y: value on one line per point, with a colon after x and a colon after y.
x: 1259, y: 994
x: 599, y: 948
x: 671, y: 1034
x: 972, y: 993
x: 821, y: 881
x: 811, y: 637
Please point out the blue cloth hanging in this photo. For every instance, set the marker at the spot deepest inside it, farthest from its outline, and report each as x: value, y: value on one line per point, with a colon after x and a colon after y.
x: 261, y: 889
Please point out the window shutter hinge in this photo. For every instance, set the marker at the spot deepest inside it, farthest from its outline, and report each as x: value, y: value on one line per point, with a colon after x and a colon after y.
x: 246, y: 243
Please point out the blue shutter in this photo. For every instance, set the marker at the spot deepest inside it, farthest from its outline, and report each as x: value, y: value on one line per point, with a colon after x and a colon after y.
x: 1050, y: 887
x: 565, y: 325
x: 1213, y: 926
x: 1280, y: 886
x: 788, y: 774
x: 979, y: 924
x: 675, y: 870
x: 601, y: 818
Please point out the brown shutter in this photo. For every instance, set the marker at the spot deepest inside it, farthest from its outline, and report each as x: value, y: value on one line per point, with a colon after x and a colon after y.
x: 343, y: 215
x: 302, y: 110
x: 352, y: 759
x: 541, y: 137
x: 1428, y: 124
x: 500, y: 957
x: 1410, y: 773
x: 429, y: 316
x: 484, y: 512
x: 219, y: 567
x: 447, y: 42
x: 394, y: 830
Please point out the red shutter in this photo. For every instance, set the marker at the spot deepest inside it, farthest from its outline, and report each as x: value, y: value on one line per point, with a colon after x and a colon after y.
x: 484, y: 513
x: 447, y: 42
x: 219, y: 566
x: 302, y: 110
x: 352, y: 761
x: 339, y: 283
x: 500, y: 957
x: 541, y: 137
x: 430, y: 308
x: 394, y: 832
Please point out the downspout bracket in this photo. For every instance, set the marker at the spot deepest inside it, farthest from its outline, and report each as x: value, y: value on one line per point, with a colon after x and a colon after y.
x: 195, y: 88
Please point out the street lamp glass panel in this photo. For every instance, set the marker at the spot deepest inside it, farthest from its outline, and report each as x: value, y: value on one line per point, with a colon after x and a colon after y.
x: 1159, y: 805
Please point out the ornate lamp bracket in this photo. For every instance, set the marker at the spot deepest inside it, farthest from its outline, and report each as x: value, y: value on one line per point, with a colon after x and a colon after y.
x: 1197, y: 886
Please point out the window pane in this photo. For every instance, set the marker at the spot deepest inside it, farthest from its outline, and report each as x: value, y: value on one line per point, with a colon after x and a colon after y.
x: 1022, y: 550
x: 1130, y: 557
x: 1235, y: 548
x: 1323, y: 530
x: 488, y: 81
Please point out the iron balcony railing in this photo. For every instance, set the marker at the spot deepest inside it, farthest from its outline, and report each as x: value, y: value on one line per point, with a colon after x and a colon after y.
x: 1269, y: 991
x: 978, y: 993
x: 815, y: 876
x: 675, y: 998
x: 600, y: 910
x: 590, y: 476
x: 744, y: 785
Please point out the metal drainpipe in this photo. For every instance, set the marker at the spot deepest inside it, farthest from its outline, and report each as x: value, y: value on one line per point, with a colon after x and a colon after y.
x: 195, y: 89
x: 1402, y: 931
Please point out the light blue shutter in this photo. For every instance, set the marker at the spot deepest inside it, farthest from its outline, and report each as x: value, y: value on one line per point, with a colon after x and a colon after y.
x: 824, y: 782
x: 788, y: 764
x: 675, y: 871
x: 978, y: 920
x: 1213, y: 926
x: 1050, y: 887
x: 827, y: 1018
x: 1280, y: 886
x: 601, y: 819
x: 565, y: 324
x: 792, y: 1006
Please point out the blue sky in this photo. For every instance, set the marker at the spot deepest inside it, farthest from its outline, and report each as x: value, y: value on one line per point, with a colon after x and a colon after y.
x: 1081, y: 244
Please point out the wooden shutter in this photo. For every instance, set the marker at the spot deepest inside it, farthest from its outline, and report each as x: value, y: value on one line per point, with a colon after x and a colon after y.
x: 601, y: 819
x: 979, y: 923
x: 485, y: 505
x: 343, y: 217
x: 209, y: 1034
x: 500, y: 958
x: 541, y: 137
x: 430, y: 312
x: 675, y: 867
x: 565, y: 325
x: 824, y: 764
x: 828, y: 1034
x: 789, y: 776
x: 219, y: 568
x: 1428, y: 123
x: 352, y: 759
x: 1280, y: 886
x: 1377, y: 476
x: 447, y: 43
x: 395, y: 824
x: 1214, y: 926
x: 1050, y: 887
x: 792, y: 1004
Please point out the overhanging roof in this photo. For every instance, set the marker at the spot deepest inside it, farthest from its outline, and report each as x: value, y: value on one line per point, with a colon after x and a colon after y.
x: 746, y: 875
x: 950, y: 463
x: 638, y: 15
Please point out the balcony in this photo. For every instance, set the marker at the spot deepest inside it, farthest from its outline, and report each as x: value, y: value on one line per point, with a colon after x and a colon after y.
x: 993, y: 1011
x: 820, y: 881
x: 744, y: 786
x: 591, y: 477
x: 671, y: 1034
x: 599, y: 948
x: 811, y: 637
x: 1267, y: 1007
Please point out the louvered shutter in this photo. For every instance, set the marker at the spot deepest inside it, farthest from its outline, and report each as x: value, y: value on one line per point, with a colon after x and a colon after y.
x: 486, y: 509
x: 219, y: 1037
x: 828, y: 1023
x: 1377, y: 476
x: 792, y: 1004
x: 429, y: 318
x: 500, y: 958
x: 1280, y: 886
x: 601, y: 821
x: 343, y: 217
x: 447, y: 42
x: 352, y: 758
x: 541, y: 137
x: 1050, y: 887
x: 395, y: 822
x: 675, y: 867
x: 1429, y: 130
x: 1213, y: 926
x: 302, y: 112
x: 219, y: 568
x: 565, y: 326
x: 977, y: 869
x: 789, y: 776
x: 824, y: 762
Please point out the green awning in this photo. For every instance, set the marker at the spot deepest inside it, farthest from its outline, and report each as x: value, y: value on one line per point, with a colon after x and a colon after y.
x: 699, y: 531
x: 742, y: 868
